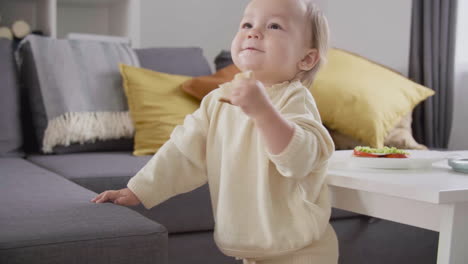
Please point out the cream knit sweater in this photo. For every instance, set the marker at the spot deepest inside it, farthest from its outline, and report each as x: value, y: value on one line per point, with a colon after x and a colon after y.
x: 264, y: 205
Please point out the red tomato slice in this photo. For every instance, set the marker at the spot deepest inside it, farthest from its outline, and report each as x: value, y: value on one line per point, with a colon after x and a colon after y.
x: 370, y: 155
x: 364, y: 154
x: 397, y: 156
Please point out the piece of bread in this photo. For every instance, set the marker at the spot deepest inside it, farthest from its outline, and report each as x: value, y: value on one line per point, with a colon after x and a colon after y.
x: 20, y: 29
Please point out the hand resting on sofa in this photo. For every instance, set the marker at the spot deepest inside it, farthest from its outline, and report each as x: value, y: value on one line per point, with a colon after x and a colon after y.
x: 123, y: 197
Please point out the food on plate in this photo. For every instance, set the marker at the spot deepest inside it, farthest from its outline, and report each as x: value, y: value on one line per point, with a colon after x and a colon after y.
x: 385, y: 152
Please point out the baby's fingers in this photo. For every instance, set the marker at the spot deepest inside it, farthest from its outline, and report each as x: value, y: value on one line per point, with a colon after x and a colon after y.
x: 121, y: 201
x: 97, y: 197
x: 106, y: 196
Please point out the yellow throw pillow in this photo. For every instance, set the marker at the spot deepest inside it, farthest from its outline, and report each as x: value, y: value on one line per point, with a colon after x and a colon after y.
x: 362, y: 99
x: 157, y: 104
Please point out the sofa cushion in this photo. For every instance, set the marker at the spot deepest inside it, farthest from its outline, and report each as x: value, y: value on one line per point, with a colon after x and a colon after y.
x: 156, y: 104
x: 10, y: 122
x: 48, y: 219
x: 199, y: 87
x: 110, y: 171
x: 374, y: 98
x: 97, y: 171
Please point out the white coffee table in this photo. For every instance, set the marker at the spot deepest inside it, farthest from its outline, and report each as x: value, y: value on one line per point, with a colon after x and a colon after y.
x: 435, y: 198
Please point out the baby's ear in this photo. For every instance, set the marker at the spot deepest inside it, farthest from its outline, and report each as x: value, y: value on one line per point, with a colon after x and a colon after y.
x: 309, y: 61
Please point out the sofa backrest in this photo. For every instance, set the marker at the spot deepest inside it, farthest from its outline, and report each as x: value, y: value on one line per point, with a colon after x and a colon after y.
x: 183, y: 61
x: 10, y: 122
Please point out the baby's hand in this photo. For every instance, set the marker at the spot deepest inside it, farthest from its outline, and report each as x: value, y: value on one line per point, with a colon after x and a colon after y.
x: 121, y: 197
x: 250, y: 95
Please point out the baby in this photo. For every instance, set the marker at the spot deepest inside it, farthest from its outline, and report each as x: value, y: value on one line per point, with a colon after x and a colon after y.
x: 265, y: 153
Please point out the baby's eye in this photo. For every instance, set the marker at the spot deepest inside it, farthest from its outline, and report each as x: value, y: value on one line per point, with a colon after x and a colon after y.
x: 246, y: 25
x: 274, y: 26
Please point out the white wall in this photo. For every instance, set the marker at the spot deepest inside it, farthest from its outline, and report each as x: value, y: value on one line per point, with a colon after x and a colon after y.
x: 209, y: 24
x: 377, y: 29
x: 459, y: 138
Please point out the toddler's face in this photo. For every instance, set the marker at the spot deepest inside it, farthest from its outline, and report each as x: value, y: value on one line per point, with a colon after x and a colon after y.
x: 273, y: 38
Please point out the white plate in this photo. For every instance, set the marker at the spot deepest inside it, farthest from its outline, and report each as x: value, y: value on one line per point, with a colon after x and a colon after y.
x: 417, y: 160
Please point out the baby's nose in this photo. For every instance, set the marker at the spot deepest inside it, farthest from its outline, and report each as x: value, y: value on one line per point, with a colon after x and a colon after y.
x: 254, y: 34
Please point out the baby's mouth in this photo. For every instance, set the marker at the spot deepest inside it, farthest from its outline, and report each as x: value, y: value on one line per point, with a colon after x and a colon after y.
x: 251, y: 49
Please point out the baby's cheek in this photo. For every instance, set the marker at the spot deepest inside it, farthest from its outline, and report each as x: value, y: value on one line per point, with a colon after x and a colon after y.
x: 235, y: 58
x: 235, y: 45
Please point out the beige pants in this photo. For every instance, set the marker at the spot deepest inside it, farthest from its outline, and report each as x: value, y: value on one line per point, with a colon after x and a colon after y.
x: 324, y: 251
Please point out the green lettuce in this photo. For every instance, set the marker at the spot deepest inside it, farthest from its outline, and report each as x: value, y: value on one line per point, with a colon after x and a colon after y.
x: 384, y: 150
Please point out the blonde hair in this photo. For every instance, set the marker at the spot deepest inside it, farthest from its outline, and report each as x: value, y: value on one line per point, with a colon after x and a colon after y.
x: 320, y: 40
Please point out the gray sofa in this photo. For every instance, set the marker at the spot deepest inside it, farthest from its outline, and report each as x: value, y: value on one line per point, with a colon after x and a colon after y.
x: 47, y: 217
